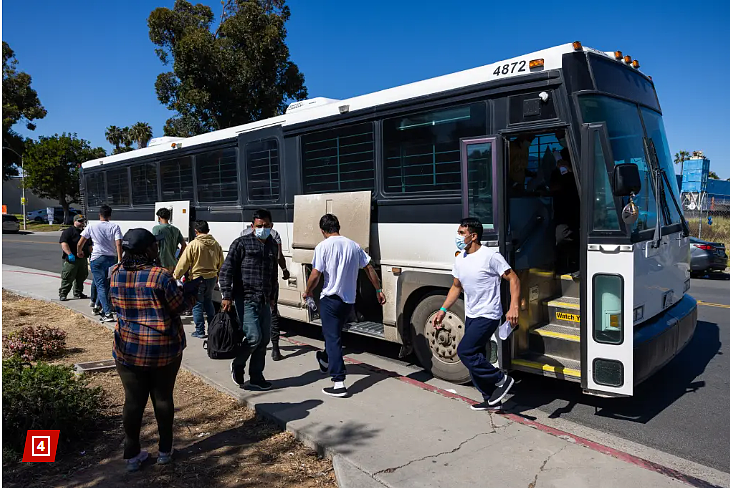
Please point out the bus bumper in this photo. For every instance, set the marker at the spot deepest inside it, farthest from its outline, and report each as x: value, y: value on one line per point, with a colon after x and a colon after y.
x: 661, y: 338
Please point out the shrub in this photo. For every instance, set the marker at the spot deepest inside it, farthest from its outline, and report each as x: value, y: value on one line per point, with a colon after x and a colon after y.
x: 45, y: 396
x: 30, y: 343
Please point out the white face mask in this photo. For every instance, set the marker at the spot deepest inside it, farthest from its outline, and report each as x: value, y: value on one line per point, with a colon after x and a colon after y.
x: 563, y: 170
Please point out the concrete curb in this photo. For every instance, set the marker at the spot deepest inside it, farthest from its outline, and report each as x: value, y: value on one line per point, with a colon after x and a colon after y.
x: 350, y: 476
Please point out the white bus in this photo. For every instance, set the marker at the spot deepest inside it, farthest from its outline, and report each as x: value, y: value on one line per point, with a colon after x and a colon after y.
x: 401, y: 167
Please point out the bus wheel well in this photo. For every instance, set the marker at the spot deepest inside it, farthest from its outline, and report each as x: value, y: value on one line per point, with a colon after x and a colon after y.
x: 412, y: 302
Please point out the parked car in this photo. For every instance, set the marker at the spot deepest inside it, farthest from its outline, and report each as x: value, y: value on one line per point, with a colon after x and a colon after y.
x: 10, y: 223
x: 41, y: 216
x: 706, y: 256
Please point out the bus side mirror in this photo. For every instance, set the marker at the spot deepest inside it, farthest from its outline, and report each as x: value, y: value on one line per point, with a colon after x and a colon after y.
x: 626, y: 179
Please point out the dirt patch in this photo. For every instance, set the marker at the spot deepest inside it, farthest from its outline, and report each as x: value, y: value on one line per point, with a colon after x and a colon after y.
x: 218, y: 441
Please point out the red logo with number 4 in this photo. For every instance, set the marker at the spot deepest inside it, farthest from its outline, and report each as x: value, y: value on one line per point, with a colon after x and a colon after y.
x: 40, y: 446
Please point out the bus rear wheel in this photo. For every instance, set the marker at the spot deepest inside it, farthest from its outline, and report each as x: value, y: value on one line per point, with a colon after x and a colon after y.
x: 436, y: 349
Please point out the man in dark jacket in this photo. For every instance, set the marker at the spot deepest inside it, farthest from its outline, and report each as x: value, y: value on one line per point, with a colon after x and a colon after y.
x: 248, y: 277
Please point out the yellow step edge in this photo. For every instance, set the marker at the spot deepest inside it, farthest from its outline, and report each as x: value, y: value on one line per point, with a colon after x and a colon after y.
x: 571, y: 306
x: 567, y: 277
x: 559, y: 335
x: 547, y: 367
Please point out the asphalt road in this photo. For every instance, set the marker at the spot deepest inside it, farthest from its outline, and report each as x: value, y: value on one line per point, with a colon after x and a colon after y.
x: 680, y: 410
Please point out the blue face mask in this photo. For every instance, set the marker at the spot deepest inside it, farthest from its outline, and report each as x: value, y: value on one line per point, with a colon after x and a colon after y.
x: 262, y: 232
x: 460, y: 242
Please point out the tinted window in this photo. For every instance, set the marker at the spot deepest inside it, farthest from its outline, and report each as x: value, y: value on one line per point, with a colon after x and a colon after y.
x: 339, y: 160
x: 626, y: 136
x: 604, y: 206
x: 117, y: 186
x: 262, y: 170
x: 144, y: 183
x: 422, y: 150
x: 95, y: 194
x: 217, y: 176
x: 479, y: 164
x: 613, y: 77
x: 176, y: 176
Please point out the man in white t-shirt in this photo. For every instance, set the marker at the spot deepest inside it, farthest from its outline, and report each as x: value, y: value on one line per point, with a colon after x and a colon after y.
x: 339, y: 259
x: 478, y: 272
x: 107, y: 251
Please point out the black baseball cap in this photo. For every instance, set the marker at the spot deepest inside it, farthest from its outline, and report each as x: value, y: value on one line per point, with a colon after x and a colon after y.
x: 139, y: 240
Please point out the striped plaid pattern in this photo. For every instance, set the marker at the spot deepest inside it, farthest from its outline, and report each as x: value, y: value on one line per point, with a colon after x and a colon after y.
x: 250, y: 269
x: 148, y: 302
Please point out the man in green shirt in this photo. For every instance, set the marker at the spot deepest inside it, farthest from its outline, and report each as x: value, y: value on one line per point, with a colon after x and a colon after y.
x: 173, y: 238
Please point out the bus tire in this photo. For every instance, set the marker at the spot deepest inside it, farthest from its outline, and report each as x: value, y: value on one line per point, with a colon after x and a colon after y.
x: 437, y: 351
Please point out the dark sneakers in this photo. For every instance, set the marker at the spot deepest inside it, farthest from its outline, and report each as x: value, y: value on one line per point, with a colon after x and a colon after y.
x: 335, y: 392
x: 486, y: 407
x: 237, y: 375
x: 62, y: 298
x: 107, y: 318
x: 500, y: 392
x: 199, y: 335
x: 323, y: 361
x: 259, y: 385
x: 81, y: 296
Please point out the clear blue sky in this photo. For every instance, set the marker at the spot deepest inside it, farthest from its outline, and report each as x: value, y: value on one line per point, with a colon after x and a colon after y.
x: 93, y: 64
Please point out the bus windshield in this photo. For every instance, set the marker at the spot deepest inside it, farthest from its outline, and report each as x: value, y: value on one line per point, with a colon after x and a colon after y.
x: 625, y: 123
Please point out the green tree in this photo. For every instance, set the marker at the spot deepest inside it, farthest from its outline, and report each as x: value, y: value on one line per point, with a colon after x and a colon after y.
x: 713, y: 176
x: 52, y: 167
x: 141, y: 133
x: 20, y: 104
x: 230, y: 74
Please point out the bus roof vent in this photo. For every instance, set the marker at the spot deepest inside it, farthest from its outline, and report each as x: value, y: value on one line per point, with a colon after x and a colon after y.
x: 164, y: 140
x: 309, y: 103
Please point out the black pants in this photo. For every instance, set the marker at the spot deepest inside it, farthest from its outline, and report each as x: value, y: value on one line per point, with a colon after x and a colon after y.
x: 275, y: 334
x: 567, y: 249
x: 139, y: 384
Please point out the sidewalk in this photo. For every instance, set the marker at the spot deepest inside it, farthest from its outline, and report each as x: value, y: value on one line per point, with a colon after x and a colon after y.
x: 396, y: 431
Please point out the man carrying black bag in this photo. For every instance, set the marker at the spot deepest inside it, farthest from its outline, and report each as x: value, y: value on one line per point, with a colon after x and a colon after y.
x: 248, y: 277
x: 224, y: 336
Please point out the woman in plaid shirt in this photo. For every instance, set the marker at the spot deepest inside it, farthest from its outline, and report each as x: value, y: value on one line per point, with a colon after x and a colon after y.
x: 148, y: 340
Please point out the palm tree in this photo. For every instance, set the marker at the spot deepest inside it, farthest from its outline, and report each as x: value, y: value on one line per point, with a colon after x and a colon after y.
x: 680, y: 158
x: 141, y: 133
x: 115, y: 136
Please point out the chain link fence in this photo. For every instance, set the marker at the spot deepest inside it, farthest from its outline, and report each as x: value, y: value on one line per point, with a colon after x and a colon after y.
x: 708, y: 217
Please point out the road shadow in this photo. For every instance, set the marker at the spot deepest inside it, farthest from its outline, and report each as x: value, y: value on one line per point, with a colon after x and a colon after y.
x: 674, y: 380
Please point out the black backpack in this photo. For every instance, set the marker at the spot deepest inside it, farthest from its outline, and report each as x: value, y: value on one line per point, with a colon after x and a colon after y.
x: 224, y: 336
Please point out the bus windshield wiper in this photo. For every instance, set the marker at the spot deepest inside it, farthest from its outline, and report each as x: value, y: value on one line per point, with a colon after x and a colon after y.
x: 661, y: 180
x: 656, y: 178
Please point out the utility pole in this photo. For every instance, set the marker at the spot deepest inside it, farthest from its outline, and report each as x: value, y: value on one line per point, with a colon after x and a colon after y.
x: 22, y: 170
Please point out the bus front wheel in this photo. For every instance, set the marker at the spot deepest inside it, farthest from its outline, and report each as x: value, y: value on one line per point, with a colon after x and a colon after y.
x: 436, y: 348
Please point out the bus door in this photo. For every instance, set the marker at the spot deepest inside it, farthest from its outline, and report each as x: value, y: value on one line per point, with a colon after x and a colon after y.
x: 180, y: 216
x: 483, y: 197
x: 353, y: 212
x: 607, y: 292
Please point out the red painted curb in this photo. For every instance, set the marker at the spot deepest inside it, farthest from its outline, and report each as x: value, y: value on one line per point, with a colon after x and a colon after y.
x: 595, y: 446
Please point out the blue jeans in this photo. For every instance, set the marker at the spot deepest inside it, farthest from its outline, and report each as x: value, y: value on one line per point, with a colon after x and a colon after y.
x: 204, y: 303
x: 334, y: 313
x: 100, y: 271
x: 255, y: 318
x: 471, y: 350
